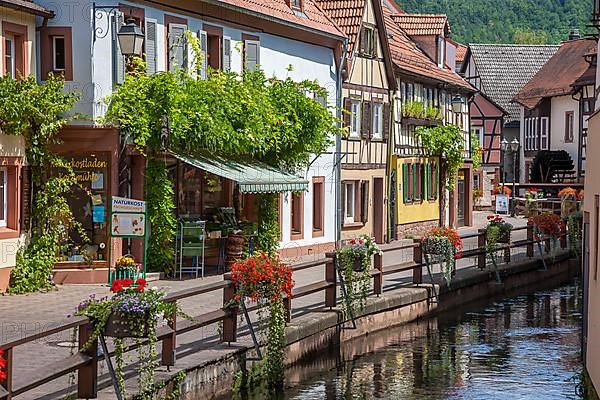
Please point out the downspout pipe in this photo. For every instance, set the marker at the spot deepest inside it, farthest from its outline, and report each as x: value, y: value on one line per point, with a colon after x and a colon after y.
x: 338, y: 148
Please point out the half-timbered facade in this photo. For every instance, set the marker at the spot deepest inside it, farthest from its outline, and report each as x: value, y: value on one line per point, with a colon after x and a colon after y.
x: 366, y: 101
x: 555, y: 103
x: 487, y: 123
x: 426, y: 89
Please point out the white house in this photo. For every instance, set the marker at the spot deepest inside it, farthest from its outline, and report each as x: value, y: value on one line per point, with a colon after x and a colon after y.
x: 81, y: 43
x: 555, y: 105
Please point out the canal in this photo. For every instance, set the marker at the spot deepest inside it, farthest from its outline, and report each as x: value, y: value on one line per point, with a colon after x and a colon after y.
x: 526, y: 347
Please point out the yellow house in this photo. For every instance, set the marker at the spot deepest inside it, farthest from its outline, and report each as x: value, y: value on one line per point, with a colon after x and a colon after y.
x: 17, y: 46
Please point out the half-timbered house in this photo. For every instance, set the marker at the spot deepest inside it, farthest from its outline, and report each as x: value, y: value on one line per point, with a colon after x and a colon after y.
x: 366, y: 98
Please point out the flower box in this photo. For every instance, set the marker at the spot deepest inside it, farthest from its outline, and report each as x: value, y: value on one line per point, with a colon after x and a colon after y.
x: 120, y: 325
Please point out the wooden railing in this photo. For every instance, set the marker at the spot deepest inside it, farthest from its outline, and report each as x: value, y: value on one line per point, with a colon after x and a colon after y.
x: 85, y: 362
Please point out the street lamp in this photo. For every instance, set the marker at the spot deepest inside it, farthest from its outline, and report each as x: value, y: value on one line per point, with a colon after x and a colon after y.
x: 504, y: 146
x: 131, y: 39
x: 514, y: 148
x: 457, y: 104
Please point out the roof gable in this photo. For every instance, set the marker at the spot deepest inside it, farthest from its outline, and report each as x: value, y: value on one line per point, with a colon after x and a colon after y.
x: 505, y: 68
x: 559, y: 74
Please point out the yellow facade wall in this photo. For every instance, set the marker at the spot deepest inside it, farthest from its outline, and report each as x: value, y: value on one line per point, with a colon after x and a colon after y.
x: 425, y: 210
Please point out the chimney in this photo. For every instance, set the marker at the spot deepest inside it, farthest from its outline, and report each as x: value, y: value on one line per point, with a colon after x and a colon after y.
x: 574, y: 35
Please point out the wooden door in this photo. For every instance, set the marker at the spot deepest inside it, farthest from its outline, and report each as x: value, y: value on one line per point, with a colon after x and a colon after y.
x: 378, y: 214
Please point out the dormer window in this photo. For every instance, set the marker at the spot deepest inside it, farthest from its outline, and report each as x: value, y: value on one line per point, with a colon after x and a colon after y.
x: 296, y: 4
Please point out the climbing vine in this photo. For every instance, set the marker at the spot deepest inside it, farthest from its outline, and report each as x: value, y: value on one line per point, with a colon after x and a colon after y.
x: 447, y: 142
x: 268, y: 227
x: 37, y: 113
x: 277, y: 121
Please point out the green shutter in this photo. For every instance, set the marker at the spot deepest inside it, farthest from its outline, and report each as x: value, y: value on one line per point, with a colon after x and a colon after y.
x: 405, y: 182
x: 424, y: 182
x: 415, y: 187
x: 436, y: 183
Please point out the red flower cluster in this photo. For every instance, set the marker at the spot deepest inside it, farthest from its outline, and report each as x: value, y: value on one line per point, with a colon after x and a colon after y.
x: 2, y: 366
x: 495, y: 218
x: 262, y: 277
x: 547, y: 224
x: 498, y: 190
x: 120, y: 285
x: 450, y: 233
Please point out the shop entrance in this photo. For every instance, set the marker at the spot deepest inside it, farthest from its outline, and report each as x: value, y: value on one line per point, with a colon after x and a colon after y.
x: 461, y: 189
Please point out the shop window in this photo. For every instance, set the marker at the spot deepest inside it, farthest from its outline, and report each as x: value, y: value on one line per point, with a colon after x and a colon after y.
x: 349, y: 201
x: 318, y: 205
x: 569, y: 127
x: 199, y: 192
x: 56, y: 52
x: 297, y: 209
x: 377, y: 121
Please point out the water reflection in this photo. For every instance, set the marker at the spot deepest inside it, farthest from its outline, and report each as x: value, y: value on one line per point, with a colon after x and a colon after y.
x: 521, y: 348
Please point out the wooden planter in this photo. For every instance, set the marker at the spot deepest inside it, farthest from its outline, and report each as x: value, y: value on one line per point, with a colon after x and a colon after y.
x: 118, y: 326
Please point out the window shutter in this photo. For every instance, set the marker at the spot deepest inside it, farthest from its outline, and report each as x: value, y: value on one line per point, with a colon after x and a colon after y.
x: 423, y: 180
x: 367, y: 119
x: 177, y: 48
x: 436, y: 182
x: 202, y: 66
x: 386, y: 121
x: 118, y: 59
x: 150, y: 44
x: 347, y: 113
x: 251, y: 54
x: 25, y: 198
x: 364, y: 201
x: 363, y: 40
x: 405, y: 183
x: 226, y: 54
x: 415, y: 186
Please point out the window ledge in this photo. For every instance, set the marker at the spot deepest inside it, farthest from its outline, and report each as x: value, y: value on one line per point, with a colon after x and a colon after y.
x: 318, y: 233
x: 7, y: 233
x: 297, y: 236
x: 353, y: 225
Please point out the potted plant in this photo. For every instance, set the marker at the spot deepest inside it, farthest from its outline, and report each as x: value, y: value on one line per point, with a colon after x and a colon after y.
x: 497, y: 231
x: 532, y: 195
x: 267, y: 281
x: 568, y: 201
x: 126, y: 266
x: 3, y: 363
x: 132, y: 312
x: 546, y: 226
x: 355, y: 265
x: 443, y: 246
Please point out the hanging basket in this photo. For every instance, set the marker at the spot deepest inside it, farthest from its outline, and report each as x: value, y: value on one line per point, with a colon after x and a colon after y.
x: 357, y: 265
x: 504, y: 238
x: 121, y: 326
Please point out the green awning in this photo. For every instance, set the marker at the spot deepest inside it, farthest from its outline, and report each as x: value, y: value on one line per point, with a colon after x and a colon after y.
x: 251, y: 175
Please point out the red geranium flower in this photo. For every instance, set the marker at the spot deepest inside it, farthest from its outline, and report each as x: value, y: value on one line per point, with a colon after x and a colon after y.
x: 117, y: 286
x: 3, y: 364
x: 127, y: 282
x: 141, y: 284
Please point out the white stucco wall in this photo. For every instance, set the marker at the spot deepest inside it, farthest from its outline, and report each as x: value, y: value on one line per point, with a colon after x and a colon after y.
x: 93, y: 76
x: 560, y: 105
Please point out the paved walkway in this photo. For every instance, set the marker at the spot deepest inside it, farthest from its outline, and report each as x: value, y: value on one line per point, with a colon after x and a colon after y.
x: 23, y: 315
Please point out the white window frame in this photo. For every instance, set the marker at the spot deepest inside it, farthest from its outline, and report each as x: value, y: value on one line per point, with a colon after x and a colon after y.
x: 54, y: 67
x: 536, y: 143
x: 441, y: 51
x: 478, y: 131
x: 544, y: 142
x: 349, y: 195
x: 377, y: 121
x: 355, y: 118
x: 12, y: 69
x: 4, y: 188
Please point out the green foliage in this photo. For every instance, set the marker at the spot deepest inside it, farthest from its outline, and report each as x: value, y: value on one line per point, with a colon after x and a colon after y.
x: 268, y: 227
x: 413, y: 109
x: 161, y: 206
x: 37, y: 113
x: 575, y: 232
x: 476, y: 151
x: 447, y: 142
x: 507, y: 21
x: 250, y: 115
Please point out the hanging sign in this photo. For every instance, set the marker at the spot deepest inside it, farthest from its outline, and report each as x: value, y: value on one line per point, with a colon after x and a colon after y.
x: 127, y: 218
x: 122, y: 204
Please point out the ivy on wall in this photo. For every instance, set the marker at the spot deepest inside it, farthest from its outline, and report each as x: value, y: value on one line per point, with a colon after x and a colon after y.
x: 277, y: 121
x: 37, y: 113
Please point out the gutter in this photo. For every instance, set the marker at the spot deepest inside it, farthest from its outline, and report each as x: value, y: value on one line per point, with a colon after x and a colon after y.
x: 338, y: 149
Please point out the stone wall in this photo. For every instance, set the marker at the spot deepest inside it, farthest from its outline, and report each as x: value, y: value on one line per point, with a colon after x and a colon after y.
x: 415, y: 230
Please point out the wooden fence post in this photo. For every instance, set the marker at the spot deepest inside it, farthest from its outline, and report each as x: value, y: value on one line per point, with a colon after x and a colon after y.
x: 530, y: 240
x: 378, y: 278
x: 563, y: 236
x: 418, y: 260
x: 481, y: 244
x: 229, y: 322
x: 287, y: 305
x: 169, y: 343
x: 330, y: 292
x: 87, y: 376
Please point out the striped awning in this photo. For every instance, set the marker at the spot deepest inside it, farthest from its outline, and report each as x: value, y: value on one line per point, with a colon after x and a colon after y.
x: 251, y: 175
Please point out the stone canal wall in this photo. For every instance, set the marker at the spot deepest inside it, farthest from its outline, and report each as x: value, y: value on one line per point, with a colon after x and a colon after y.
x: 320, y: 329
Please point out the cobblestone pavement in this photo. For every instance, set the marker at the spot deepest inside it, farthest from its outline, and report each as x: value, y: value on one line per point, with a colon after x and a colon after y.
x: 23, y: 315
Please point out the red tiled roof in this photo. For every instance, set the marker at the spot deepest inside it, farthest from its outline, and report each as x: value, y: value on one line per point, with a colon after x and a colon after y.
x: 558, y: 75
x: 461, y: 52
x: 28, y: 7
x: 347, y: 15
x: 409, y: 58
x: 422, y: 24
x: 314, y: 17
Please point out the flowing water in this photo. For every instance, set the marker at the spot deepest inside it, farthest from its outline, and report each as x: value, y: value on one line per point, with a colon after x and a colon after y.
x: 526, y: 347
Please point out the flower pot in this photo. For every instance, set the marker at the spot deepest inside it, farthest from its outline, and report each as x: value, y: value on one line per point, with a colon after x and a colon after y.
x: 357, y: 266
x: 120, y: 326
x: 504, y: 238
